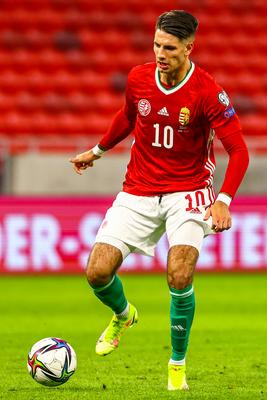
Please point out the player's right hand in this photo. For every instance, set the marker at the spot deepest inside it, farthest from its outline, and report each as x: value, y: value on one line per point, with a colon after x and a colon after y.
x: 83, y: 161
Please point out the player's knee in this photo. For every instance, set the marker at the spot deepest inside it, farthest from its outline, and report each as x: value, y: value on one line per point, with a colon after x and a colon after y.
x: 96, y: 276
x: 102, y: 264
x: 181, y: 265
x: 180, y: 279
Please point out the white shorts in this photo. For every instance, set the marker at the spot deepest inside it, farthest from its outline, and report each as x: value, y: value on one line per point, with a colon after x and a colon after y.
x: 136, y: 223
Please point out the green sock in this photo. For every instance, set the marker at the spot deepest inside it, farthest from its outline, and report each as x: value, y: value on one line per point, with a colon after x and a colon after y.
x: 112, y: 295
x: 182, y: 314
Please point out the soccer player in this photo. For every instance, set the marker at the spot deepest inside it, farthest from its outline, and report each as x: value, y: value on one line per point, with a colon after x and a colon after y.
x: 174, y: 109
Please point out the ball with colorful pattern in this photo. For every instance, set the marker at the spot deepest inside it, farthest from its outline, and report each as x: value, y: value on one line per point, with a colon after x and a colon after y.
x: 51, y: 361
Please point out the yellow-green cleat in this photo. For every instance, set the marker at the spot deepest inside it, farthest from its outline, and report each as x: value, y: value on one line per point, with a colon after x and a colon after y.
x: 176, y: 377
x: 110, y: 338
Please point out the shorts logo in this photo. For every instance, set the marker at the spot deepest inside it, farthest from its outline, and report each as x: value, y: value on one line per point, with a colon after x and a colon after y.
x: 144, y: 107
x: 223, y: 98
x: 229, y: 112
x: 184, y: 116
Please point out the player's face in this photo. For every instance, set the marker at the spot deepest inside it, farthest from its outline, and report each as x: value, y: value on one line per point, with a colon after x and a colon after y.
x: 171, y: 52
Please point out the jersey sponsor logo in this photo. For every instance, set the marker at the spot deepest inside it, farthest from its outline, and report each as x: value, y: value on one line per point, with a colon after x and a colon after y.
x: 144, y: 107
x: 223, y: 98
x: 184, y: 116
x: 229, y: 112
x: 164, y: 112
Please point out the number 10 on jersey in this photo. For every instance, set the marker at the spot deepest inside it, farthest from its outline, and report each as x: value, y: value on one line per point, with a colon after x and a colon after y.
x: 163, y: 136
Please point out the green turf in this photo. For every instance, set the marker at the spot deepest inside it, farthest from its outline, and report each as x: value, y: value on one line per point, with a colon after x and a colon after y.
x: 226, y: 360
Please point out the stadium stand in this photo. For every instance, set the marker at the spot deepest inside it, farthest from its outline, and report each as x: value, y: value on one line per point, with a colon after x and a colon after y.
x: 64, y: 63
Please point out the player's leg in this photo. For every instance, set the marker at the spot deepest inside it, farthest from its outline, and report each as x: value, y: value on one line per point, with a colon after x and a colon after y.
x: 128, y: 226
x: 103, y: 263
x: 182, y: 259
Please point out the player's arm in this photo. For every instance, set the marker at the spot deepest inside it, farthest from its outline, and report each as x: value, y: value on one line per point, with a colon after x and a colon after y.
x: 237, y: 165
x: 121, y: 126
x: 223, y: 120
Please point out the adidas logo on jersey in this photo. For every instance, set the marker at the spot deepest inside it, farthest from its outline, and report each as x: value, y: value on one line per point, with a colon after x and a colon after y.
x: 195, y: 211
x: 164, y: 112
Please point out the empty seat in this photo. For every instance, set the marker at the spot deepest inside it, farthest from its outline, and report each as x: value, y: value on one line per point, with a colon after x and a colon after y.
x: 7, y: 103
x: 69, y: 124
x: 11, y: 39
x: 107, y: 102
x: 36, y: 40
x: 5, y: 60
x: 38, y: 82
x: 88, y: 6
x: 50, y: 61
x: 23, y: 60
x: 12, y: 82
x: 64, y: 82
x: 92, y: 81
x: 96, y: 124
x: 25, y: 102
x: 254, y: 124
x: 43, y: 124
x: 48, y: 20
x: 16, y: 123
x: 81, y: 102
x: 21, y: 19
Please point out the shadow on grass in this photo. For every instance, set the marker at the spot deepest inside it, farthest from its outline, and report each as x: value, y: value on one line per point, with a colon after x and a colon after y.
x: 57, y: 390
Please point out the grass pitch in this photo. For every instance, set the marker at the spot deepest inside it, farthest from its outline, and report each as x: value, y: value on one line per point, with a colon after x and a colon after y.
x: 226, y: 359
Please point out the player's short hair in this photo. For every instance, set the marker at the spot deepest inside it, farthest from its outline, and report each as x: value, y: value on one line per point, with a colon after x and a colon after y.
x: 178, y: 23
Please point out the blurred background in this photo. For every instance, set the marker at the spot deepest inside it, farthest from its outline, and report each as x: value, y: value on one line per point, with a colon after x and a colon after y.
x: 63, y: 69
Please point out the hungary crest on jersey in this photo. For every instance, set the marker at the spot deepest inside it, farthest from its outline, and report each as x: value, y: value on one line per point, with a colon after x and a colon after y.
x: 184, y: 116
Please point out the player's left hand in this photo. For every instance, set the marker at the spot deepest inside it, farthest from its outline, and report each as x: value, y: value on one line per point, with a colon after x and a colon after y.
x: 221, y: 217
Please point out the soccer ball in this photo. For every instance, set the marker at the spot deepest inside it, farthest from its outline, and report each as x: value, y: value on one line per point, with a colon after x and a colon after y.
x: 51, y: 361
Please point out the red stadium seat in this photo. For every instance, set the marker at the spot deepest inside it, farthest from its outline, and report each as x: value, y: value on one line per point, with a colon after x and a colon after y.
x: 89, y: 39
x: 51, y: 61
x: 88, y: 6
x: 30, y: 5
x: 99, y: 21
x: 69, y: 124
x: 27, y: 103
x: 248, y: 83
x: 16, y: 123
x: 5, y: 60
x: 54, y: 103
x: 43, y: 124
x: 92, y: 81
x: 7, y: 103
x: 21, y: 19
x: 77, y: 61
x: 38, y: 82
x: 254, y: 124
x: 64, y: 82
x: 96, y: 124
x: 12, y: 82
x: 36, y: 40
x: 100, y: 61
x: 23, y: 60
x: 11, y: 39
x: 48, y: 20
x: 113, y: 40
x: 108, y: 103
x: 75, y: 20
x: 80, y: 102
